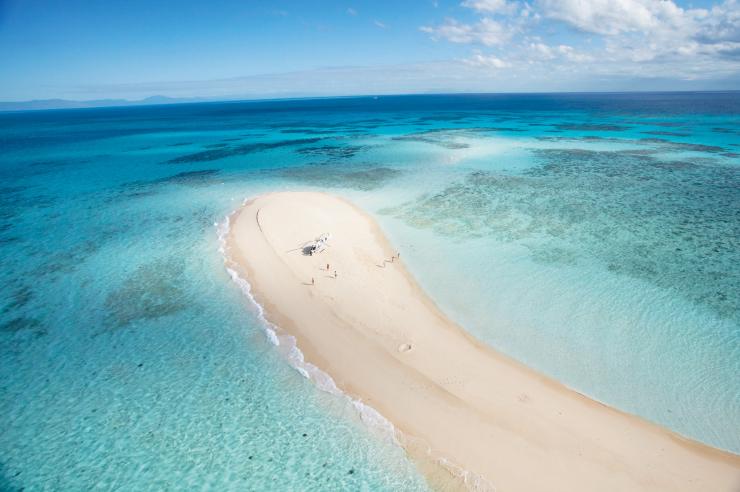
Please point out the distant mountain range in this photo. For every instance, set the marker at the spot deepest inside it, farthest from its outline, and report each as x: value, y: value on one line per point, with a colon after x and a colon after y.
x: 97, y: 103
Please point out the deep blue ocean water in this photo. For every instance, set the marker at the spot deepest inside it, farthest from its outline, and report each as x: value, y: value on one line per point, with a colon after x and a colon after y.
x: 592, y: 236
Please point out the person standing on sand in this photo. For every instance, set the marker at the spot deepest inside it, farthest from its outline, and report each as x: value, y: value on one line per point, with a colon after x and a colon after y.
x: 327, y: 267
x: 335, y: 274
x: 312, y: 282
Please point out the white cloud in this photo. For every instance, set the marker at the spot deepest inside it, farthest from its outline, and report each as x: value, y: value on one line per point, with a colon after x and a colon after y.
x: 677, y: 34
x: 543, y: 52
x: 351, y: 11
x: 610, y: 17
x: 490, y: 6
x: 651, y: 18
x: 721, y: 25
x: 490, y: 61
x: 380, y: 24
x: 571, y: 54
x: 643, y: 38
x: 487, y: 32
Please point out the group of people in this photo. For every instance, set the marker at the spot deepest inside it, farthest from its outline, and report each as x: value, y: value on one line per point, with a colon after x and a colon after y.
x: 393, y: 258
x: 313, y: 282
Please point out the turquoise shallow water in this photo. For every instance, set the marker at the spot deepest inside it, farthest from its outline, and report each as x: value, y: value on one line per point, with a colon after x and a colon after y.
x: 592, y: 237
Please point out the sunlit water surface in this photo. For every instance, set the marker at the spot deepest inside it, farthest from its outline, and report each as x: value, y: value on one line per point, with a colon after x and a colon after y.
x: 594, y: 237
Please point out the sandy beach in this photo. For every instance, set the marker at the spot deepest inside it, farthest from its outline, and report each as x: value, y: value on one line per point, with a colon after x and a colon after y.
x: 385, y: 343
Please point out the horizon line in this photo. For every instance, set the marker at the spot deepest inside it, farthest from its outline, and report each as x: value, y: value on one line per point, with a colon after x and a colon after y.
x: 123, y: 102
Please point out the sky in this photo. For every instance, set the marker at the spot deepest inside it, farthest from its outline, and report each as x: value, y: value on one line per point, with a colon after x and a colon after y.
x: 133, y: 49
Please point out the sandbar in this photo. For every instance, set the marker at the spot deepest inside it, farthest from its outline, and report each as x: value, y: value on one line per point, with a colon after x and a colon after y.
x: 386, y: 344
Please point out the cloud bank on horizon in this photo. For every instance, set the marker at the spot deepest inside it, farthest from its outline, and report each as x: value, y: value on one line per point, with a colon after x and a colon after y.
x: 363, y: 47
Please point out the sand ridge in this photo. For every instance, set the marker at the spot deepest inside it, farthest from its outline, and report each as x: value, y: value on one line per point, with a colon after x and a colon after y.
x: 384, y: 342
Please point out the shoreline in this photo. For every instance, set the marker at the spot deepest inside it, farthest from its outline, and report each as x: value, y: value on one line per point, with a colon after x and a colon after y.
x: 385, y: 344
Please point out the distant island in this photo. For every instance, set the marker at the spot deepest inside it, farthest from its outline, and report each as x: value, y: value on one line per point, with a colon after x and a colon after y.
x: 94, y: 103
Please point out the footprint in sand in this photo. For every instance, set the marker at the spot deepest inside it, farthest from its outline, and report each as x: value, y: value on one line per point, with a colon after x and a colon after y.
x: 404, y: 347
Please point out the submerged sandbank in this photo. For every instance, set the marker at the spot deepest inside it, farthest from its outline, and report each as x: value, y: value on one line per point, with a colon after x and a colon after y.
x: 385, y: 343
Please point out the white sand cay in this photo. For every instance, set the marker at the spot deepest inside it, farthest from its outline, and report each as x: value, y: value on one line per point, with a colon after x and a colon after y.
x: 386, y: 343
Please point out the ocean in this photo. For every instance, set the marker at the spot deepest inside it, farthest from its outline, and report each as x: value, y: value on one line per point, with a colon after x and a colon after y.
x: 594, y: 237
